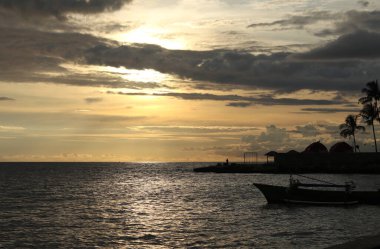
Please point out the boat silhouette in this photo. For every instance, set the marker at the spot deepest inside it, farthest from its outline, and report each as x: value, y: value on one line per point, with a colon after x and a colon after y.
x: 318, y: 194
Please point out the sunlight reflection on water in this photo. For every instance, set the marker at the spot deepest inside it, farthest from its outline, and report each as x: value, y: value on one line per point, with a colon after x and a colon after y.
x: 164, y: 206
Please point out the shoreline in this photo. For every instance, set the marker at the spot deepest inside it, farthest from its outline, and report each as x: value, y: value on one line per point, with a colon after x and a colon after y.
x: 273, y: 169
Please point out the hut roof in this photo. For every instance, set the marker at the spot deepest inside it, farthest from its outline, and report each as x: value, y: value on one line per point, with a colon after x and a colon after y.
x: 316, y: 147
x: 271, y: 153
x: 292, y: 152
x: 341, y: 147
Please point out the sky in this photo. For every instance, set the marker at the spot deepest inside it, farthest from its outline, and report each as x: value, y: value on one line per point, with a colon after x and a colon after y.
x: 181, y: 80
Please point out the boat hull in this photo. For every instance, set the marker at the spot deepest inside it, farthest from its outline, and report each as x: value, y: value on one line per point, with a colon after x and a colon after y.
x: 367, y: 197
x: 280, y: 194
x: 273, y: 194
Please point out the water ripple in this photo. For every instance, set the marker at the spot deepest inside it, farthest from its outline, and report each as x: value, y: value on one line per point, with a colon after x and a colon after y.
x: 163, y: 206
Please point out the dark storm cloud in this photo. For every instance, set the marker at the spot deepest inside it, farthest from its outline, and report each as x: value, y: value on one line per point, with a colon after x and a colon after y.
x: 39, y: 56
x: 263, y: 100
x: 352, y: 21
x: 358, y: 45
x: 278, y: 71
x: 60, y: 8
x: 330, y: 110
x: 298, y: 21
x: 44, y: 55
x: 30, y: 55
x: 342, y: 22
x: 6, y: 99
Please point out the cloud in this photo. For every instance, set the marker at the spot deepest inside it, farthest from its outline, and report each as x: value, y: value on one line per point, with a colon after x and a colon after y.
x: 71, y: 122
x: 55, y: 58
x: 358, y: 45
x: 59, y: 9
x: 45, y: 54
x: 239, y: 104
x: 6, y: 99
x: 363, y: 3
x: 113, y: 27
x: 353, y: 21
x: 11, y: 128
x: 298, y: 21
x: 317, y: 130
x: 92, y: 100
x: 274, y: 134
x: 308, y: 130
x: 39, y: 52
x: 277, y: 71
x: 297, y: 138
x: 341, y: 22
x: 273, y: 138
x: 330, y: 110
x: 196, y: 129
x: 262, y: 100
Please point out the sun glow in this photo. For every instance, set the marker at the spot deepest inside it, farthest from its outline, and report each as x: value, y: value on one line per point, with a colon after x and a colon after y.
x: 143, y: 76
x: 151, y: 36
x: 133, y: 75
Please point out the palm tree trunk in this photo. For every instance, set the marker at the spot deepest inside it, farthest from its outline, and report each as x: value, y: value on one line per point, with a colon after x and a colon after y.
x: 374, y: 136
x: 378, y: 120
x: 354, y: 142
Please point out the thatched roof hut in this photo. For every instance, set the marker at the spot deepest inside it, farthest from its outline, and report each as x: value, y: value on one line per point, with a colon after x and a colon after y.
x: 316, y: 147
x: 292, y: 152
x: 341, y: 147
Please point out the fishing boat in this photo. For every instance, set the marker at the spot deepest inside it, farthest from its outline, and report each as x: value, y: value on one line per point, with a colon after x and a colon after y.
x: 324, y: 193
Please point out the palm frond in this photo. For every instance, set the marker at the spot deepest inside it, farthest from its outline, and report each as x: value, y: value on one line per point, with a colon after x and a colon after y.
x: 369, y: 113
x: 342, y: 126
x: 345, y: 133
x: 360, y: 128
x: 364, y: 100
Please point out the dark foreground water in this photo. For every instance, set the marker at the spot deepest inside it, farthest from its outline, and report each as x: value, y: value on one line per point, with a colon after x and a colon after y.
x: 118, y: 205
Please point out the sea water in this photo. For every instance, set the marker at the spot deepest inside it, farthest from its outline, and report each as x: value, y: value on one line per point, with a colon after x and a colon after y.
x: 165, y: 205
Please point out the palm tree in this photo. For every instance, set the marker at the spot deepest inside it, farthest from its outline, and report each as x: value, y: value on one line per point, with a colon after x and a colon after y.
x: 369, y: 114
x: 370, y: 111
x: 349, y: 128
x: 372, y: 92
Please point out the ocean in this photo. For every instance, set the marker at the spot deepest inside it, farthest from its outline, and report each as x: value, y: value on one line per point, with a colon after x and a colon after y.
x: 165, y: 205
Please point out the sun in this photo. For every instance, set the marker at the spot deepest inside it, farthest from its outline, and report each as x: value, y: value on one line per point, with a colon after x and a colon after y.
x: 151, y: 36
